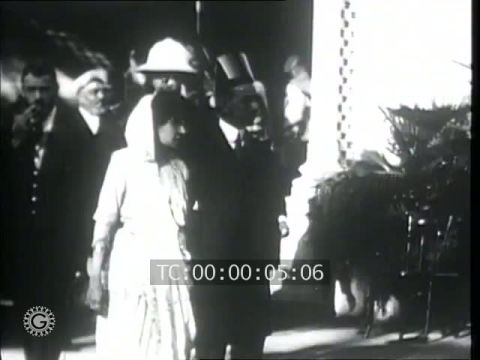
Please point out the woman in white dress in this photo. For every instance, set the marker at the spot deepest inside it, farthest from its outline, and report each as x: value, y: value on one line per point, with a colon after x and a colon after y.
x: 140, y: 216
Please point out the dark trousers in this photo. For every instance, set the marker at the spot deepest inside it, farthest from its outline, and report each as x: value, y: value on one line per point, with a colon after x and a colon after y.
x: 46, y: 347
x: 293, y: 154
x: 222, y: 320
x: 49, y: 292
x: 250, y: 346
x: 210, y: 346
x: 211, y: 317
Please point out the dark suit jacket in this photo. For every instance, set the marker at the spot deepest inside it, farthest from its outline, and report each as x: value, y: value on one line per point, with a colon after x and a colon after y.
x: 239, y: 196
x: 239, y: 199
x: 37, y: 211
x: 93, y: 154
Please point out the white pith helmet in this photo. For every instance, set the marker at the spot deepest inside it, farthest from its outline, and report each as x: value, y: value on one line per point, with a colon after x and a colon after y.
x: 169, y: 55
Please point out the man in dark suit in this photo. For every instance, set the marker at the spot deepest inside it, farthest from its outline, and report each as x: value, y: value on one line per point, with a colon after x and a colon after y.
x: 39, y: 145
x: 238, y: 195
x: 99, y: 134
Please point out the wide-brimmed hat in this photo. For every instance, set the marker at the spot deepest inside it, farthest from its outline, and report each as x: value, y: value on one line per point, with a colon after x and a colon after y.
x: 169, y: 55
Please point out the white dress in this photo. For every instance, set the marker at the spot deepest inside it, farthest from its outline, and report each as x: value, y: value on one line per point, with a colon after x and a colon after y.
x: 144, y: 207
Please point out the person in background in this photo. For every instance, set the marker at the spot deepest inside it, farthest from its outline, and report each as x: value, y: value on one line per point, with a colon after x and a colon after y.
x: 297, y: 115
x: 99, y: 135
x: 297, y: 98
x: 40, y: 151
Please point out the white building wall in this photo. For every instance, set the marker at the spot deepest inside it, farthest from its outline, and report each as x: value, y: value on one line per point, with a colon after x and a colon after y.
x: 405, y: 52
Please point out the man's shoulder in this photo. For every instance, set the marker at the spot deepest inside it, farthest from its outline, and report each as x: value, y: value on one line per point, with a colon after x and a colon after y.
x: 9, y: 110
x: 6, y: 118
x: 69, y: 117
x: 65, y: 109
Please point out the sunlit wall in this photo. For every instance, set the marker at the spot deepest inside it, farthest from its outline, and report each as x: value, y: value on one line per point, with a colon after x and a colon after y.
x: 402, y: 52
x: 407, y: 52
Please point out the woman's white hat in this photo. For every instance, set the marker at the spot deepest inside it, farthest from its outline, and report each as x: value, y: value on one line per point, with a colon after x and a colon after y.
x: 169, y: 55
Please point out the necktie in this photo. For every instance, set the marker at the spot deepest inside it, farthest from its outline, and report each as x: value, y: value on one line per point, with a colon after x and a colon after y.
x: 239, y: 141
x: 240, y: 144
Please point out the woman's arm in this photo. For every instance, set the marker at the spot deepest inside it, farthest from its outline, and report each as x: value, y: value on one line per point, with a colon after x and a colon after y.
x: 182, y: 240
x: 102, y: 238
x: 107, y: 218
x: 178, y: 176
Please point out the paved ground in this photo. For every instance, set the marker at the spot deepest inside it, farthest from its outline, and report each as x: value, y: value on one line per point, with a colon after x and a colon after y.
x: 316, y: 343
x: 304, y: 331
x: 346, y: 343
x: 320, y: 342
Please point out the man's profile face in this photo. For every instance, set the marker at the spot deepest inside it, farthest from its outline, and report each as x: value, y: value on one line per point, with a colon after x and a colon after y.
x: 40, y: 91
x: 243, y: 110
x: 95, y: 97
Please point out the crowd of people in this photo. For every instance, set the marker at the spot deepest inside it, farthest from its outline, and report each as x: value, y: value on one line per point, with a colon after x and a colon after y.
x: 190, y: 174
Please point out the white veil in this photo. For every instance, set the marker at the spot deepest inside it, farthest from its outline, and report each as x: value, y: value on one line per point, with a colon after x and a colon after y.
x: 139, y: 135
x: 139, y: 129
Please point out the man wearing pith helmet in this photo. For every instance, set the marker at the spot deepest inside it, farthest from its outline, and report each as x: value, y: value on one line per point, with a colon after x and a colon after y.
x: 170, y: 65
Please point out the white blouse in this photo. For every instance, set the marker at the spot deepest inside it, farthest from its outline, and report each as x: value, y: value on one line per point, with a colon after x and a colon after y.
x: 143, y: 206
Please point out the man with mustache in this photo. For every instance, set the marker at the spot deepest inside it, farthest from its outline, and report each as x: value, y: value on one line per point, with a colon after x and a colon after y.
x: 39, y: 149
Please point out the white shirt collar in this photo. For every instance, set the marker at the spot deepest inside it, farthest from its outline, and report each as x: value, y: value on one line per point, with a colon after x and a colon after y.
x: 49, y: 122
x: 47, y: 129
x: 92, y: 121
x: 230, y: 132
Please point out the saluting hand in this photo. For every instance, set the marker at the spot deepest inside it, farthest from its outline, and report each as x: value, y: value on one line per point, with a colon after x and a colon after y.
x: 137, y: 77
x: 283, y: 226
x: 25, y: 124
